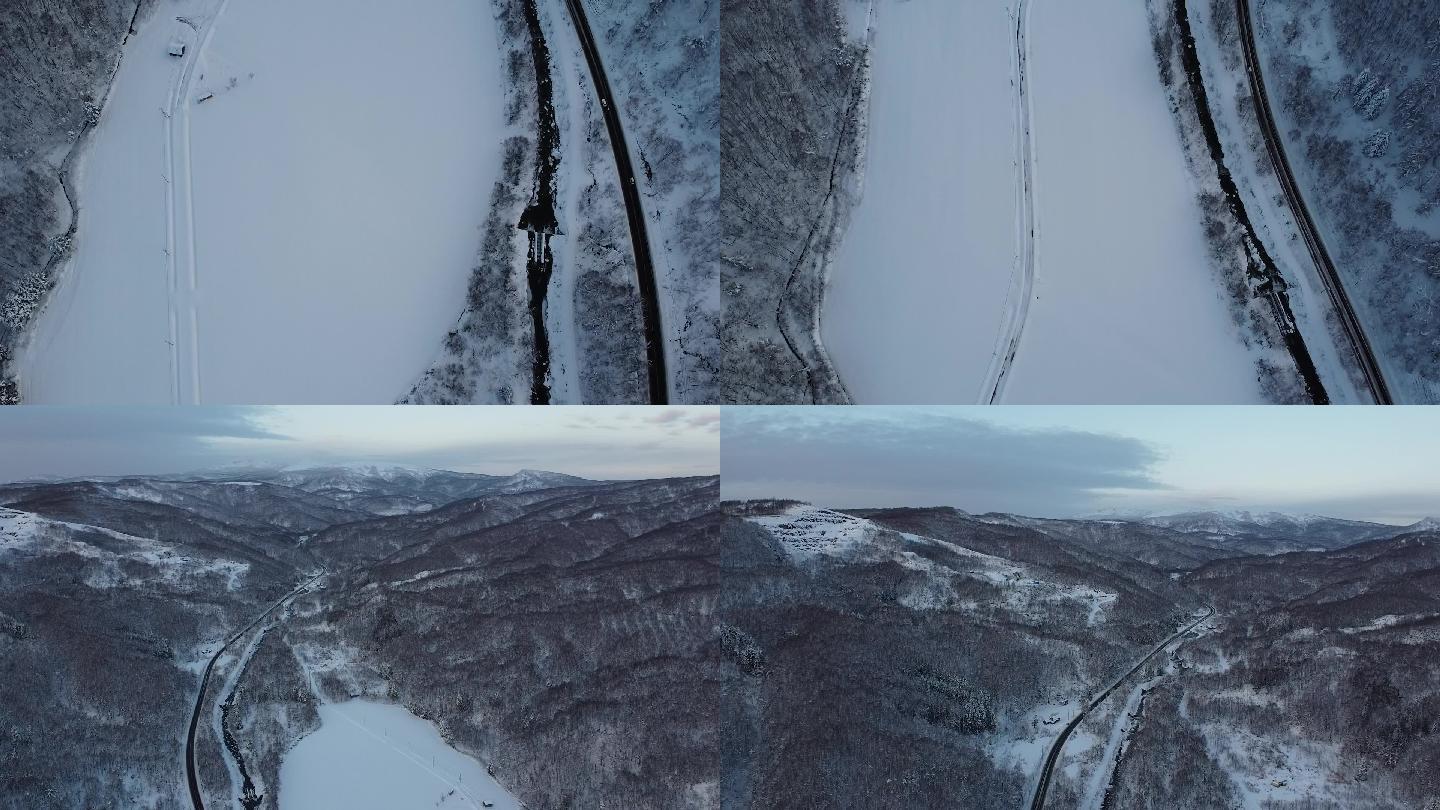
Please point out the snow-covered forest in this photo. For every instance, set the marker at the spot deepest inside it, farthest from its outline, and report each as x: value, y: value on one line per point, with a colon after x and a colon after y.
x: 57, y: 60
x: 789, y: 143
x: 514, y: 628
x: 1357, y: 83
x: 908, y: 657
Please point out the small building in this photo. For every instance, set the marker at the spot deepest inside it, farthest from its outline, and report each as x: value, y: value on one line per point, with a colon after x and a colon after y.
x: 177, y: 48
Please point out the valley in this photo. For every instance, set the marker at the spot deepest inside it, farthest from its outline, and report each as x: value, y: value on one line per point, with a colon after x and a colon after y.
x: 466, y: 629
x: 928, y: 656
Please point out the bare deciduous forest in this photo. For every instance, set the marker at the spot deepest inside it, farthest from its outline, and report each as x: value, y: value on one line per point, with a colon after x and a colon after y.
x: 56, y: 61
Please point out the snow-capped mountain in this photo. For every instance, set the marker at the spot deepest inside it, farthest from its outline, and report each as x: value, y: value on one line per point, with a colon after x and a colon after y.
x: 1304, y: 530
x: 1429, y: 524
x: 530, y: 480
x: 392, y: 489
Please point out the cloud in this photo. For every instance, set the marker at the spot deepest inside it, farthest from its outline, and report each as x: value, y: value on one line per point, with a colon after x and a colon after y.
x: 44, y: 441
x: 901, y: 456
x: 596, y: 442
x: 684, y: 420
x: 240, y: 422
x: 666, y: 416
x: 594, y: 457
x: 708, y: 420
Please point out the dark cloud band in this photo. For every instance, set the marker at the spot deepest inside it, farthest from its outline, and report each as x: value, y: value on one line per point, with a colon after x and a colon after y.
x: 900, y: 456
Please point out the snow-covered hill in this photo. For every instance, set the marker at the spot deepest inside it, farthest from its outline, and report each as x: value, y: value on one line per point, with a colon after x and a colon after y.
x: 944, y: 650
x: 1429, y: 524
x: 107, y: 559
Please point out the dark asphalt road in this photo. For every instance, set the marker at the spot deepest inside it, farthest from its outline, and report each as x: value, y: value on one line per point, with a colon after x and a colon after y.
x: 644, y: 265
x: 190, y: 774
x: 1333, y: 286
x: 1059, y: 745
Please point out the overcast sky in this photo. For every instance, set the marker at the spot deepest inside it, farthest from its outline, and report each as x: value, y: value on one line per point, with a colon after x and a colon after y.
x: 590, y: 441
x: 1365, y: 463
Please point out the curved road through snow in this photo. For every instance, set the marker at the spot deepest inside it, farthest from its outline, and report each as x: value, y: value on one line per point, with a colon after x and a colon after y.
x: 1022, y: 290
x: 1369, y: 366
x: 644, y: 265
x: 190, y: 774
x: 1044, y: 785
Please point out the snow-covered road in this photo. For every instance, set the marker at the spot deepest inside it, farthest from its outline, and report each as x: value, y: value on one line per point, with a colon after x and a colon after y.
x: 180, y: 213
x: 1022, y: 284
x: 191, y: 769
x: 1058, y: 747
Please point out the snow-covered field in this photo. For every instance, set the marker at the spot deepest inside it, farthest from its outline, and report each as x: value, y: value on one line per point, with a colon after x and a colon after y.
x: 288, y: 213
x: 377, y: 756
x: 919, y: 283
x: 1125, y: 307
x: 1095, y: 258
x: 807, y: 531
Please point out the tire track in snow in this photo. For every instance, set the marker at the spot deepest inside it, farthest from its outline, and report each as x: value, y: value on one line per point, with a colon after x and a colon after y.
x: 413, y: 757
x: 170, y: 286
x: 1022, y: 285
x: 184, y: 281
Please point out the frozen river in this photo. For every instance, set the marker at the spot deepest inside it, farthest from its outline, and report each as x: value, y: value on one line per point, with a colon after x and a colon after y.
x: 376, y: 756
x: 287, y: 213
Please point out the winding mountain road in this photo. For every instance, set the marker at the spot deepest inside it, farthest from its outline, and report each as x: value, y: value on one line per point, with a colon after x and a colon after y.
x: 191, y: 776
x: 1059, y: 745
x: 1339, y: 300
x: 644, y: 265
x: 1022, y: 290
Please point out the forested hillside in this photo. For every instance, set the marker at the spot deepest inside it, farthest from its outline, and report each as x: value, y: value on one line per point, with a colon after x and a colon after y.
x: 558, y: 630
x: 790, y: 109
x: 1358, y: 86
x: 868, y: 666
x: 56, y: 60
